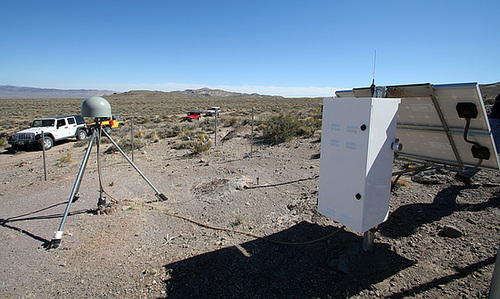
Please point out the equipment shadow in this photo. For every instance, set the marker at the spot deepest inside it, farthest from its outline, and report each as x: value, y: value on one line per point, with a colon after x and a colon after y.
x: 31, y: 148
x: 332, y: 268
x: 406, y: 219
x: 7, y: 222
x: 435, y: 283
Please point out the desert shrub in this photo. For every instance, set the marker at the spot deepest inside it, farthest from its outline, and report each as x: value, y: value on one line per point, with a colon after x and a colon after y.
x: 248, y: 121
x: 317, y: 123
x: 309, y: 127
x: 400, y: 182
x: 317, y: 113
x: 207, y: 125
x: 281, y: 128
x: 166, y: 133
x: 201, y: 144
x: 182, y: 145
x: 152, y: 136
x: 2, y: 142
x: 66, y: 159
x: 258, y: 123
x: 186, y: 134
x: 305, y: 131
x: 139, y: 133
x: 126, y: 146
x: 238, y: 221
x: 260, y: 127
x: 170, y: 131
x: 231, y: 122
x: 396, y: 184
x: 167, y: 118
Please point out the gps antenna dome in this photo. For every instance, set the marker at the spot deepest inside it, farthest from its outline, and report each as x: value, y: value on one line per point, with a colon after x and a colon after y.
x: 96, y: 107
x: 100, y: 110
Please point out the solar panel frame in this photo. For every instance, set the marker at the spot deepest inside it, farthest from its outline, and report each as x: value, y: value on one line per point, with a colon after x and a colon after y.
x: 429, y: 127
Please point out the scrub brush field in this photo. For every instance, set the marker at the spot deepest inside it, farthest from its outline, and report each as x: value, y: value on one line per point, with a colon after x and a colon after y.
x: 241, y: 217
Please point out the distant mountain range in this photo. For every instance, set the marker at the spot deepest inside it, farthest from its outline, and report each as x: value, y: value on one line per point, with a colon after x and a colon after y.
x: 10, y: 92
x: 215, y: 93
x: 488, y: 91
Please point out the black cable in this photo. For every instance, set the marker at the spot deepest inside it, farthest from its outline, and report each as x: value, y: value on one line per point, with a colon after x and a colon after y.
x: 478, y: 151
x: 474, y: 168
x: 466, y: 132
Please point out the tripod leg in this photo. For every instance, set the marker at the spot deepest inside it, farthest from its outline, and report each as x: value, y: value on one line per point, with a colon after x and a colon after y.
x: 158, y: 194
x: 56, y: 240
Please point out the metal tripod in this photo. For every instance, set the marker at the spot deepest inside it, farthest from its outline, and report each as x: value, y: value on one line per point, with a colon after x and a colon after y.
x: 96, y: 130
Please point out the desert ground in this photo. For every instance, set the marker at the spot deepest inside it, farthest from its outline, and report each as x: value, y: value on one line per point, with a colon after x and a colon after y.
x: 237, y: 224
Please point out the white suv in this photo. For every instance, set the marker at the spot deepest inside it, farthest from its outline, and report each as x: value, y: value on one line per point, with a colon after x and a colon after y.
x: 213, y: 111
x: 54, y: 129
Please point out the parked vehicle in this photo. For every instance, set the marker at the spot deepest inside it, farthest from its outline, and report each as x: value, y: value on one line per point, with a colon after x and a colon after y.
x: 54, y: 129
x: 192, y: 115
x: 114, y: 122
x: 213, y: 111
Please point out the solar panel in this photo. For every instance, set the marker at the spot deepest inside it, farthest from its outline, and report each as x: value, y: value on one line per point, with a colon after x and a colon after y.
x: 429, y: 125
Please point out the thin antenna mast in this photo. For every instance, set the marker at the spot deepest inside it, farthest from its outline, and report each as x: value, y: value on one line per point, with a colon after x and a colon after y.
x: 374, y: 64
x: 372, y: 87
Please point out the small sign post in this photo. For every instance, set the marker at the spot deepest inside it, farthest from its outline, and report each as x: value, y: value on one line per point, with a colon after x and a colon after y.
x: 132, y: 137
x: 251, y: 145
x: 42, y: 140
x: 215, y: 143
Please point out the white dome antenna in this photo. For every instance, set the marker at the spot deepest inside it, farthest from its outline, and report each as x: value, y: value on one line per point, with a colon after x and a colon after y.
x: 96, y: 107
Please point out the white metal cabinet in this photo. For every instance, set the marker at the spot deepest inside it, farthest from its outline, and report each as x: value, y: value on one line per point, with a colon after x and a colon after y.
x: 356, y: 160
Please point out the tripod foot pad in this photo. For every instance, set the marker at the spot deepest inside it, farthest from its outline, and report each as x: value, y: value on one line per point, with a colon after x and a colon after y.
x: 162, y: 196
x: 56, y: 241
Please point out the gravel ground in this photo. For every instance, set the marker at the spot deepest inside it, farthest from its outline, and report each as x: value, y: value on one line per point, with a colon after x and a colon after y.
x: 235, y: 226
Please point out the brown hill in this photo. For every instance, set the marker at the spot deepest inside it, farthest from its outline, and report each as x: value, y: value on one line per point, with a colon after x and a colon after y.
x: 489, y: 91
x: 216, y: 93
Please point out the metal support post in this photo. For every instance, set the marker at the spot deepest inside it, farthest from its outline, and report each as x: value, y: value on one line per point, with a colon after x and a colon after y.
x: 251, y: 145
x: 215, y: 143
x: 495, y: 281
x: 369, y: 240
x: 132, y: 136
x: 43, y: 153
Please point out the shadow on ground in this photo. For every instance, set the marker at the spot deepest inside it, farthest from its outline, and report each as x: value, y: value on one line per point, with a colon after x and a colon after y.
x: 435, y: 283
x: 334, y: 268
x: 7, y: 222
x: 9, y: 150
x: 406, y: 219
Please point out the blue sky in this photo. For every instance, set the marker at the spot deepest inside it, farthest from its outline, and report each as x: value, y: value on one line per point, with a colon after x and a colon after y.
x: 290, y: 48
